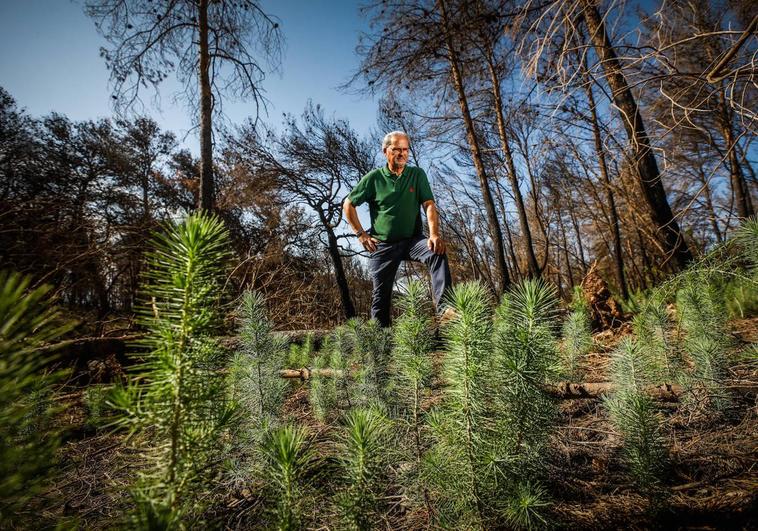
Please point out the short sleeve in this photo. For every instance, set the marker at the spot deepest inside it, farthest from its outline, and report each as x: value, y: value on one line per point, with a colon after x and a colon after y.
x: 424, y: 190
x: 363, y: 191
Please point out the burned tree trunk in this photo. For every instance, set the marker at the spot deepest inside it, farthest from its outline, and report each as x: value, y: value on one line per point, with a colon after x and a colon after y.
x: 339, y: 271
x: 736, y: 176
x: 648, y: 175
x: 618, y: 260
x: 569, y: 390
x: 206, y: 110
x: 531, y: 258
x: 560, y: 390
x: 473, y: 141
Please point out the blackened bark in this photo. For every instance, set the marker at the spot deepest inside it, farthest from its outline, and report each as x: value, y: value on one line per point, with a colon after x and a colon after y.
x: 534, y: 193
x: 531, y: 259
x: 647, y: 267
x: 515, y: 269
x: 618, y: 260
x: 206, y: 110
x: 473, y: 141
x: 565, y: 253
x: 647, y: 167
x: 736, y: 177
x: 708, y: 196
x: 575, y: 224
x: 339, y: 272
x: 635, y: 280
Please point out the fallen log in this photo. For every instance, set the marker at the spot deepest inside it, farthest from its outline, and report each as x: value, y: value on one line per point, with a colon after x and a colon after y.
x: 571, y: 390
x: 305, y: 373
x: 561, y: 390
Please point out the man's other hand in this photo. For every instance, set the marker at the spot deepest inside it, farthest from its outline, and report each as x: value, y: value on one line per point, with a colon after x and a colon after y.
x: 368, y: 242
x: 436, y: 245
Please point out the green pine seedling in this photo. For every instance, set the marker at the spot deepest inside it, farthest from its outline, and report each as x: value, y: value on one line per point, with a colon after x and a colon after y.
x: 461, y: 425
x: 323, y: 391
x: 633, y: 413
x: 362, y: 448
x: 373, y: 345
x: 653, y: 328
x: 576, y: 343
x: 747, y: 239
x: 287, y: 459
x: 495, y: 419
x: 254, y: 370
x: 413, y: 339
x: 703, y: 319
x: 526, y: 358
x: 178, y: 398
x: 29, y: 323
x: 300, y: 355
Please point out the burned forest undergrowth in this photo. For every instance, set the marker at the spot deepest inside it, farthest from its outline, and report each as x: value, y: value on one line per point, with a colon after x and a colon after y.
x: 517, y: 412
x: 185, y: 339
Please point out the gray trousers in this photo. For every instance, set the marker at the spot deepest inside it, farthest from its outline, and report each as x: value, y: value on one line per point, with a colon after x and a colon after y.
x: 383, y: 266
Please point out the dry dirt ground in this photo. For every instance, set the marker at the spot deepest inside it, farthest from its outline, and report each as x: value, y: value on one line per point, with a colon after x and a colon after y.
x: 712, y: 480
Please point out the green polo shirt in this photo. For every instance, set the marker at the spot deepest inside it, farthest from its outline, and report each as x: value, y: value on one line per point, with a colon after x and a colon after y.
x: 393, y: 201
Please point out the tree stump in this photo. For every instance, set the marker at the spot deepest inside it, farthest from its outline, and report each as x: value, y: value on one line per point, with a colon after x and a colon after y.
x: 605, y: 312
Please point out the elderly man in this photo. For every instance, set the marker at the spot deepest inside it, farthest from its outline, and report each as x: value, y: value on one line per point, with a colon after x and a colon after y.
x: 394, y: 193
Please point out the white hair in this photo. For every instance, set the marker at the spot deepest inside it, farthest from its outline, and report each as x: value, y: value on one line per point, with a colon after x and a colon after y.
x: 389, y: 136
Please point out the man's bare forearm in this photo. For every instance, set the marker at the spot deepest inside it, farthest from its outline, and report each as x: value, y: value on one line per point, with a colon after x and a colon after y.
x: 433, y: 218
x: 351, y: 215
x: 364, y: 238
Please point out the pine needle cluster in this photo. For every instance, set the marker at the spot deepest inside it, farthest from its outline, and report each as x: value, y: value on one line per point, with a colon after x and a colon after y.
x: 179, y: 393
x: 653, y: 328
x: 363, y: 450
x: 495, y: 417
x: 634, y: 414
x: 254, y: 370
x: 702, y: 316
x: 28, y: 323
x: 740, y: 292
x: 526, y: 505
x: 577, y: 338
x: 747, y: 239
x: 287, y: 459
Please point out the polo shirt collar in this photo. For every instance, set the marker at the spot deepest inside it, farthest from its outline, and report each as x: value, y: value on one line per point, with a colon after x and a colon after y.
x: 387, y: 173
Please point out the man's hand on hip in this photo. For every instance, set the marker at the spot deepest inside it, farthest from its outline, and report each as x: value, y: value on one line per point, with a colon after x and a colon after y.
x: 368, y: 242
x: 436, y: 245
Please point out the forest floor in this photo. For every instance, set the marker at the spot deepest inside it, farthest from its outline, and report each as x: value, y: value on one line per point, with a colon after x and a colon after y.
x: 712, y: 479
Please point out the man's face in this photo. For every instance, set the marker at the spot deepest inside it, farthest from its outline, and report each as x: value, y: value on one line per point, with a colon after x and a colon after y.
x: 397, y: 152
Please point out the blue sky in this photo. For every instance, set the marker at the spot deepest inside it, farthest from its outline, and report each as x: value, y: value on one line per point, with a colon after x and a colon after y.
x: 51, y: 62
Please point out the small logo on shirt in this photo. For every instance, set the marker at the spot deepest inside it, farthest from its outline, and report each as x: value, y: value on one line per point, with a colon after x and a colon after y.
x: 411, y: 190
